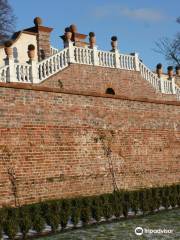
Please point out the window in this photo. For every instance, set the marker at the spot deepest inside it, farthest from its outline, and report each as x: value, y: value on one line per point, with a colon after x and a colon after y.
x: 110, y: 91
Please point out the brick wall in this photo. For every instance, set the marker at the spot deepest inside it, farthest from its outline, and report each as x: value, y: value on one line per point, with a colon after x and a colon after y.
x: 55, y: 144
x: 93, y: 79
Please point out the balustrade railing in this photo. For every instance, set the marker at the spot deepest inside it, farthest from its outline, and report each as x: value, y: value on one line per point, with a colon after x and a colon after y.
x: 149, y: 76
x: 53, y: 64
x: 23, y: 72
x: 83, y: 55
x: 106, y: 59
x: 127, y: 62
x: 34, y: 72
x: 4, y: 74
x: 167, y: 86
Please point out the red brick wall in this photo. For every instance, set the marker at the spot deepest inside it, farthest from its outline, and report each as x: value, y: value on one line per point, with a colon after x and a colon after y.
x: 97, y: 79
x: 55, y: 144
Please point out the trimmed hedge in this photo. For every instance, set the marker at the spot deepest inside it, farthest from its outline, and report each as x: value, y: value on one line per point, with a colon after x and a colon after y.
x: 55, y: 212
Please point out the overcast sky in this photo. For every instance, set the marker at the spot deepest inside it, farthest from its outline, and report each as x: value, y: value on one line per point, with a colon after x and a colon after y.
x: 136, y: 23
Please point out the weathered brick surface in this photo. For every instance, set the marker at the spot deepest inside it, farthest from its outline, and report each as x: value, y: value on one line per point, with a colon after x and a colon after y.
x: 97, y: 79
x: 55, y: 144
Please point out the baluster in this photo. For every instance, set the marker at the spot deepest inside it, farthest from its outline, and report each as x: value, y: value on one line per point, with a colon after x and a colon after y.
x: 17, y: 72
x: 26, y: 74
x: 22, y: 73
x: 120, y: 59
x: 57, y: 62
x: 82, y: 56
x: 43, y: 70
x: 99, y: 58
x: 102, y: 58
x: 75, y: 54
x: 61, y: 60
x: 54, y: 64
x: 40, y: 71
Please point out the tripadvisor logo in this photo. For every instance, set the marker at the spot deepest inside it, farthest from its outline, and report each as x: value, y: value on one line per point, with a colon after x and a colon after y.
x: 138, y: 231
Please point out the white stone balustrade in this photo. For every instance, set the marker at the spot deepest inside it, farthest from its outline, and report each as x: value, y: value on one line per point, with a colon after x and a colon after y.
x: 150, y: 76
x: 4, y: 73
x: 53, y: 64
x: 23, y: 73
x: 83, y: 55
x: 36, y: 72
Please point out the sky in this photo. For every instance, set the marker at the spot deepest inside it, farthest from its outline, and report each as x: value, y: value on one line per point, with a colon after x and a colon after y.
x: 138, y: 24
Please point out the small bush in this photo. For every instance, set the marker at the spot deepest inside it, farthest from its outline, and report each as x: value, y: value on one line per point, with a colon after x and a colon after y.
x: 64, y: 214
x: 25, y: 222
x: 116, y: 202
x: 10, y: 225
x: 96, y: 209
x: 38, y: 221
x: 134, y: 201
x: 165, y: 197
x: 75, y: 211
x: 107, y: 208
x: 126, y: 203
x: 3, y: 217
x: 85, y: 210
x: 51, y: 210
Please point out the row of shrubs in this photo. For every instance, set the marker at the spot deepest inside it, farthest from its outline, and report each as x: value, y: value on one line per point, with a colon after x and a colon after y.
x: 55, y: 212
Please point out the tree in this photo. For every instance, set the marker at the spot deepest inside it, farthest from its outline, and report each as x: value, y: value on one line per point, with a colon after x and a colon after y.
x: 7, y: 20
x: 170, y: 48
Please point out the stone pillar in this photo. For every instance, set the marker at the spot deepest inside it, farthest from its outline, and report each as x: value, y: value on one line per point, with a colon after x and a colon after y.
x: 114, y: 45
x: 71, y: 52
x: 95, y: 56
x: 33, y: 63
x: 159, y: 72
x: 136, y: 59
x: 171, y: 77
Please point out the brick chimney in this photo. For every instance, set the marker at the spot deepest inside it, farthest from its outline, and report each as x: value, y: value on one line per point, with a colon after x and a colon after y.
x: 43, y: 38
